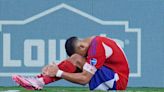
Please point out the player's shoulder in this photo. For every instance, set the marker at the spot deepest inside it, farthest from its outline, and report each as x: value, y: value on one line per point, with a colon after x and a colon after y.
x: 97, y: 38
x: 102, y: 39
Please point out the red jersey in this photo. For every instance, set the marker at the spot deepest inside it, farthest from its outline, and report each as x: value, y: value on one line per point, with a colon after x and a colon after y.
x: 106, y: 52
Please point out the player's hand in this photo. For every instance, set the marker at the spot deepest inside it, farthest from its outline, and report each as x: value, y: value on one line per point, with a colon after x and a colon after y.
x: 50, y: 70
x: 44, y: 69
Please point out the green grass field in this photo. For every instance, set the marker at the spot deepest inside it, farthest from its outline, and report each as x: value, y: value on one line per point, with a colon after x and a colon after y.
x: 77, y: 89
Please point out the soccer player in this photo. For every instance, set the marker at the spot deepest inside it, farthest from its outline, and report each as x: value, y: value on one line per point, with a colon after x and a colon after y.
x: 102, y: 61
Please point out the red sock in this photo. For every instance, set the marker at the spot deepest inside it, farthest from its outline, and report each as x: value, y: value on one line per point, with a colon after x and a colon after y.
x: 65, y: 65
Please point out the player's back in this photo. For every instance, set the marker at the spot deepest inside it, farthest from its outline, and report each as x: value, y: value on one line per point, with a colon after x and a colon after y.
x: 117, y: 61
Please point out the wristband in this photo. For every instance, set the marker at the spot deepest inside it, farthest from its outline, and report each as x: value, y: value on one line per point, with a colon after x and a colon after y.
x: 59, y: 73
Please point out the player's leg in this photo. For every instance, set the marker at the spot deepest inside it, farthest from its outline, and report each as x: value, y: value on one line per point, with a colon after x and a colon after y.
x: 72, y: 64
x: 66, y: 66
x: 34, y: 83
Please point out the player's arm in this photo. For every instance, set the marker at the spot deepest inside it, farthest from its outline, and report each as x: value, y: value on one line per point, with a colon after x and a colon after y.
x: 80, y: 78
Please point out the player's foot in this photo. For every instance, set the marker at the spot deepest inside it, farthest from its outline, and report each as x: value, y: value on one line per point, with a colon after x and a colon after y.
x: 30, y: 83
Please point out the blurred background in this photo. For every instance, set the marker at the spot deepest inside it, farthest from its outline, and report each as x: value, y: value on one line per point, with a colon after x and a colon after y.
x: 33, y: 34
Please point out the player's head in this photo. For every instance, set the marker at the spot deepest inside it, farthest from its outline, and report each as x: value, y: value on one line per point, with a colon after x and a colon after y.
x: 75, y: 45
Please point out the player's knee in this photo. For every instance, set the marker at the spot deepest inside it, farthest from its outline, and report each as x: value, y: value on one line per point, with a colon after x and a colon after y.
x: 76, y: 59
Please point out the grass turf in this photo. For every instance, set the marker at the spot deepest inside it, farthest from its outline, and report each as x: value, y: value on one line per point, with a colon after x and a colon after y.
x: 78, y: 89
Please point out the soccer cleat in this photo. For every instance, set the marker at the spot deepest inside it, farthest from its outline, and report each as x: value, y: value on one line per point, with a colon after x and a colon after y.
x: 30, y: 83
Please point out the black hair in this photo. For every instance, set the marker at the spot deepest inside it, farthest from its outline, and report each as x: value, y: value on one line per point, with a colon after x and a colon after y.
x: 70, y: 45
